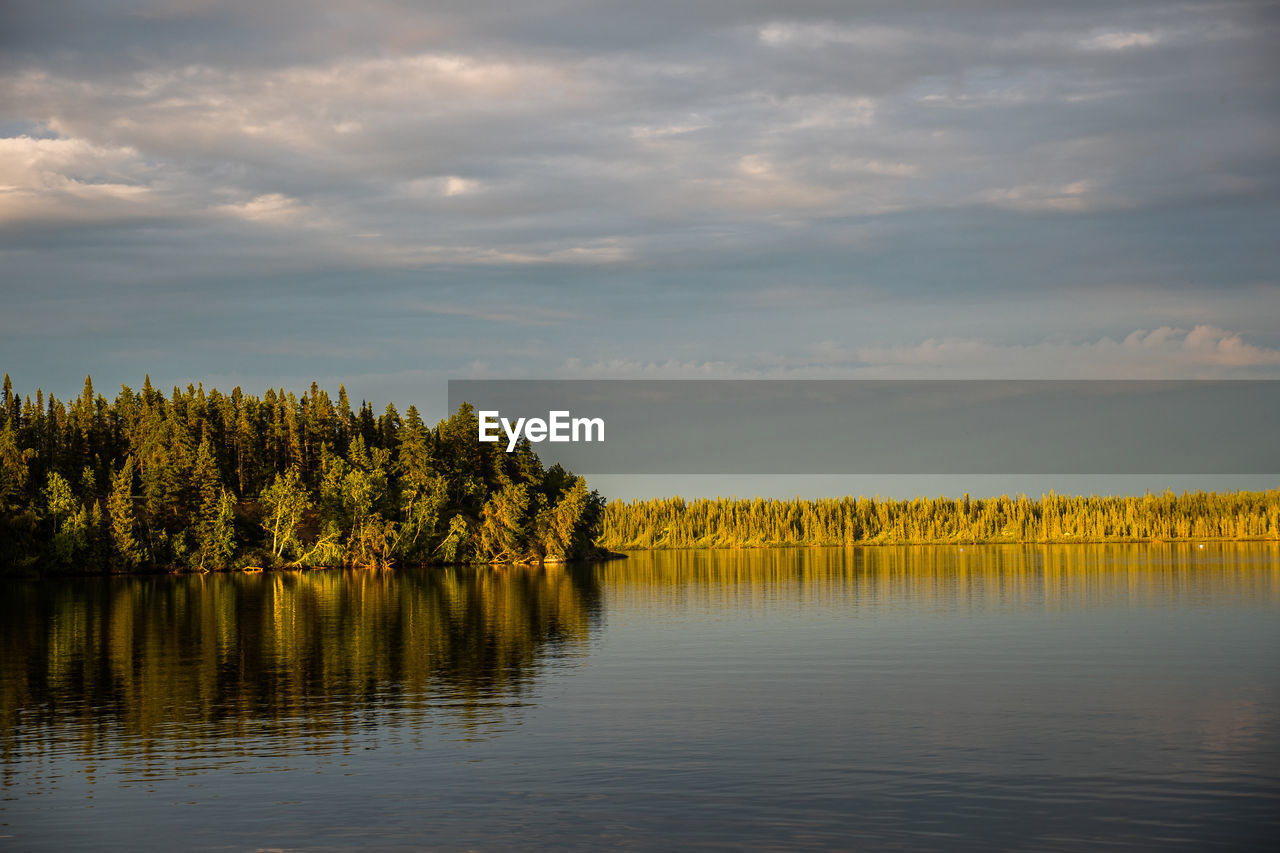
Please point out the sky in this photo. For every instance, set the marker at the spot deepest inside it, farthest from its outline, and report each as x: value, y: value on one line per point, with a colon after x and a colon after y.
x: 393, y: 194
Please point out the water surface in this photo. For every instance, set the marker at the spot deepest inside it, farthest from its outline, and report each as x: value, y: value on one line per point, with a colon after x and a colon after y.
x: 917, y: 698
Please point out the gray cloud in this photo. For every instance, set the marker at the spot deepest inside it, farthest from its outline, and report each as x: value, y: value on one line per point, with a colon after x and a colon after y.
x: 693, y: 183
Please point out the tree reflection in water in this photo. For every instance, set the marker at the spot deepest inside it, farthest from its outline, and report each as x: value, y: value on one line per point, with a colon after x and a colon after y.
x: 196, y: 670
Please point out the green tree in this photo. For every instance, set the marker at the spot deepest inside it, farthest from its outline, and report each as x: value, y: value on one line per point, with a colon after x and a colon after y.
x: 13, y: 470
x: 126, y: 549
x: 214, y: 522
x: 456, y: 547
x: 284, y: 503
x: 504, y: 525
x: 353, y: 497
x: 68, y: 522
x: 424, y: 494
x: 565, y: 530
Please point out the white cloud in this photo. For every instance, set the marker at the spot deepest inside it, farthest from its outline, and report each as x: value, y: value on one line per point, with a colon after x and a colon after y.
x: 1072, y: 197
x: 454, y: 185
x: 574, y: 368
x: 73, y: 180
x: 1121, y: 40
x: 1203, y: 352
x: 386, y: 253
x: 272, y: 209
x: 810, y: 35
x: 665, y: 131
x: 870, y: 166
x: 1228, y: 349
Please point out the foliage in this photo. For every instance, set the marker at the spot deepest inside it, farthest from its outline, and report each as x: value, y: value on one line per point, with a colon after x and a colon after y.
x: 283, y: 505
x: 676, y: 523
x: 203, y: 480
x: 126, y: 549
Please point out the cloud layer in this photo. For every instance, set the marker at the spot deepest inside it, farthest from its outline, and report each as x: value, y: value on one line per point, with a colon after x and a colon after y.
x: 695, y: 182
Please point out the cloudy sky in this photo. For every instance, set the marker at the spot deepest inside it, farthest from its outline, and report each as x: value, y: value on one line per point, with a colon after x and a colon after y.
x: 391, y: 194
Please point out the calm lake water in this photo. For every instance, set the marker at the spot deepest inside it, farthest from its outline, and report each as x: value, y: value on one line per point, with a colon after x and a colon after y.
x: 917, y: 698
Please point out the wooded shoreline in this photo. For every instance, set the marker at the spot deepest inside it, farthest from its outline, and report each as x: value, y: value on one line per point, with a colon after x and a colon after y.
x: 1049, y: 519
x: 204, y: 481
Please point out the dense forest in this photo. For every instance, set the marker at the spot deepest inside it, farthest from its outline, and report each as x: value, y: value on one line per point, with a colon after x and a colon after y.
x: 720, y: 523
x: 204, y: 481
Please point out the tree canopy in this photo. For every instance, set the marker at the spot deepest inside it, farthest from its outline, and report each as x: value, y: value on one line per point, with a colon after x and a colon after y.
x: 204, y: 480
x: 723, y: 522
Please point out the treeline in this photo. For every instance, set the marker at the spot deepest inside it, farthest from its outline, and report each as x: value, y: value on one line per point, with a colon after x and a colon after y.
x: 721, y: 523
x: 205, y: 481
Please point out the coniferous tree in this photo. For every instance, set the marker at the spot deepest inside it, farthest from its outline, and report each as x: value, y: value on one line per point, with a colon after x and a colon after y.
x: 503, y: 532
x: 183, y: 479
x: 6, y: 403
x: 126, y: 550
x: 13, y: 469
x: 674, y: 523
x: 214, y: 519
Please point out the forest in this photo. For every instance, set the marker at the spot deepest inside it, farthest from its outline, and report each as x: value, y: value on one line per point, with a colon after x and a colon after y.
x: 721, y: 522
x: 205, y: 481
x: 202, y: 481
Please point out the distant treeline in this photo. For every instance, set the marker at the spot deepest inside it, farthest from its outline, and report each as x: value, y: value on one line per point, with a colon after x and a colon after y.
x: 722, y: 523
x: 205, y: 480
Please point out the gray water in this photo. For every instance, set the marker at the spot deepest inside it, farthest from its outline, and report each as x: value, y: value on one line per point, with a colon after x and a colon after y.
x: 905, y: 698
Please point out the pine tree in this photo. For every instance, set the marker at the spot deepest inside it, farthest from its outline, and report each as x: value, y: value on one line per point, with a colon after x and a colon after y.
x: 6, y: 403
x: 214, y: 518
x: 346, y: 425
x: 503, y: 525
x: 13, y: 470
x: 126, y: 549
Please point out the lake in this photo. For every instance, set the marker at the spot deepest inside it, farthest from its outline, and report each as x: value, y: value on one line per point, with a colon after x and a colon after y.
x: 914, y: 698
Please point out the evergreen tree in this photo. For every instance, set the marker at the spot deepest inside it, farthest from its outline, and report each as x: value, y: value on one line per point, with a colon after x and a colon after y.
x: 503, y: 532
x: 126, y: 549
x: 13, y: 470
x: 214, y: 520
x: 318, y: 485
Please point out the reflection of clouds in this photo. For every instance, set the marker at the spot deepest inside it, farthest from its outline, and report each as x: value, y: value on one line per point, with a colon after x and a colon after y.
x: 1228, y: 729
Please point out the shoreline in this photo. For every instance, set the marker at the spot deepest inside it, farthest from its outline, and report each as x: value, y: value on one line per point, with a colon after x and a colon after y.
x: 617, y: 553
x: 938, y: 543
x: 607, y: 556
